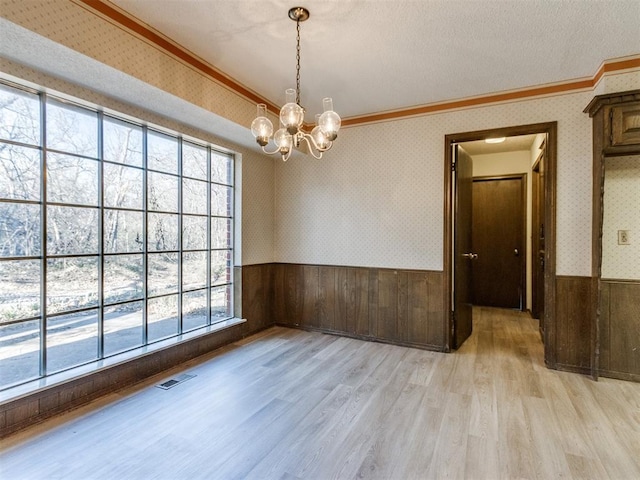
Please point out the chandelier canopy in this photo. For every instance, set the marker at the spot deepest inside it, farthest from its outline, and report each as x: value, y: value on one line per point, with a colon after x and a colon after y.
x: 291, y: 133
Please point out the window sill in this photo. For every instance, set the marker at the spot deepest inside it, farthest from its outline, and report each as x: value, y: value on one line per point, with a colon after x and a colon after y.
x: 14, y: 393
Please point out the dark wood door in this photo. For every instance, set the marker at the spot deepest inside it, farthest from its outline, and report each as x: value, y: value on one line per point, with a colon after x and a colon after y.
x: 537, y: 240
x: 462, y: 254
x: 498, y: 238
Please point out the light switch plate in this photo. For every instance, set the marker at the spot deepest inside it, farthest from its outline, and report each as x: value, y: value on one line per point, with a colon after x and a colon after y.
x: 623, y: 237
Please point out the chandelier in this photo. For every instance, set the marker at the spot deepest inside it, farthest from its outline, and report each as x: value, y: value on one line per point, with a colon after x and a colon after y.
x: 291, y: 133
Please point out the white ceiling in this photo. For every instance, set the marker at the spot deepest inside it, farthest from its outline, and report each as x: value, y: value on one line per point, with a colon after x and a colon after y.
x: 379, y: 55
x: 511, y: 144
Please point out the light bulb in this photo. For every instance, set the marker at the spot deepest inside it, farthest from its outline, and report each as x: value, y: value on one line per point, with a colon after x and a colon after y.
x: 261, y: 127
x: 319, y: 137
x: 283, y: 140
x: 329, y: 122
x: 291, y: 114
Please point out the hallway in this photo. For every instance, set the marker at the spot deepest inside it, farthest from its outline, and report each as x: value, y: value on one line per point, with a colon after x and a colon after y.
x: 289, y: 404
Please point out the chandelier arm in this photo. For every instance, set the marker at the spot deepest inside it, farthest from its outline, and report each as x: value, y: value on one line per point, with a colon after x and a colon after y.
x: 312, y: 145
x: 270, y: 153
x: 315, y: 145
x: 286, y: 156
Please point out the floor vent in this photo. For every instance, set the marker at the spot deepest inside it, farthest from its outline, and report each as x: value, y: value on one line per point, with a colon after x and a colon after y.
x: 175, y: 381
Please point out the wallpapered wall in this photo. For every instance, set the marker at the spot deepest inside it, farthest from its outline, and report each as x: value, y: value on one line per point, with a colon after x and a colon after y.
x: 377, y: 198
x: 621, y: 212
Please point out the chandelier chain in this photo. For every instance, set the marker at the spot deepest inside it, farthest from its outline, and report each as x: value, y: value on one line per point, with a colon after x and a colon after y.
x: 298, y: 62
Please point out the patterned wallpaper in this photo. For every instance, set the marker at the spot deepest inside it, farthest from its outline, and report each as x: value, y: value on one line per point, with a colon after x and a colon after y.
x: 621, y: 212
x: 376, y: 199
x: 258, y: 204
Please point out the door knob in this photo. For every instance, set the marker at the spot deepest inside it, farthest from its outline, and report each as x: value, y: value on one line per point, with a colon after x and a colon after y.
x: 470, y: 256
x: 516, y: 252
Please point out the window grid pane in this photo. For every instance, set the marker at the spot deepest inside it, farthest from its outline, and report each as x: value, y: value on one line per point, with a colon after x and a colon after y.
x: 19, y: 230
x: 72, y: 129
x: 20, y: 172
x: 182, y: 243
x: 122, y: 142
x: 19, y: 116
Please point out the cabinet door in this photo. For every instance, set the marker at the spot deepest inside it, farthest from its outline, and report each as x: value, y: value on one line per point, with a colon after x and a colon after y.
x: 625, y: 125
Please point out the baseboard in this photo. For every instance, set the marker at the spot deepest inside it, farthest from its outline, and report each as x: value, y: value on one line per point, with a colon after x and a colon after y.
x: 573, y: 369
x: 420, y: 346
x: 629, y: 377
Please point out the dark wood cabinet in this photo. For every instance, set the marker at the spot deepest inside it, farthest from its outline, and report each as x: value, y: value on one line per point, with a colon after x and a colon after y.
x: 615, y: 309
x: 616, y: 124
x: 625, y: 124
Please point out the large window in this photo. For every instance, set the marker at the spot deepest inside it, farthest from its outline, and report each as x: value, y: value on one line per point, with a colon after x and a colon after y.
x: 113, y: 235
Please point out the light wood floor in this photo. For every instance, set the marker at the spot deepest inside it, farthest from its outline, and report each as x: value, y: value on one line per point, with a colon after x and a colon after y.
x: 288, y: 404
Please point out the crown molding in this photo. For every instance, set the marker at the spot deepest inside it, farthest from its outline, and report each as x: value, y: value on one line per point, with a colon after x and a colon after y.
x: 124, y: 20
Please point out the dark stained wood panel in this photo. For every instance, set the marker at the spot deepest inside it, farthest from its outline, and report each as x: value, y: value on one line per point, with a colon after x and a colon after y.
x: 573, y: 323
x: 287, y: 292
x: 279, y: 315
x: 326, y: 297
x: 625, y: 124
x: 437, y: 319
x: 403, y: 306
x: 359, y: 316
x: 418, y: 307
x: 342, y: 299
x: 604, y: 363
x: 396, y: 306
x: 309, y: 296
x: 387, y: 305
x: 257, y: 296
x: 425, y: 309
x: 373, y: 301
x: 620, y: 330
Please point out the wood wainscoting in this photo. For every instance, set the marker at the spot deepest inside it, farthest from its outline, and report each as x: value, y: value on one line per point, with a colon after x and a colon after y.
x: 573, y: 324
x: 620, y: 329
x: 403, y: 307
x: 256, y: 284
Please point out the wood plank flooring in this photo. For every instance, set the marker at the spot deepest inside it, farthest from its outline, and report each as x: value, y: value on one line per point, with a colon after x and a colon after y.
x: 289, y: 404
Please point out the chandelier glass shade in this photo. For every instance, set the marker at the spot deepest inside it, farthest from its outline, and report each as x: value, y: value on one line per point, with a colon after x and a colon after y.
x: 291, y: 133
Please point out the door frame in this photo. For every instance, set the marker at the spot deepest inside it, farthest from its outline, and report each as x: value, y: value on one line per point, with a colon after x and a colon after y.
x: 537, y: 177
x: 550, y: 129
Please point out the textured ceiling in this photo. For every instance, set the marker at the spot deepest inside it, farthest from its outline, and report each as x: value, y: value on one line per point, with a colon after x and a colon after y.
x: 377, y: 55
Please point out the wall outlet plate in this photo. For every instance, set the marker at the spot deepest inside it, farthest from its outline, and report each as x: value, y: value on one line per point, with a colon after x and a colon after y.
x: 623, y: 237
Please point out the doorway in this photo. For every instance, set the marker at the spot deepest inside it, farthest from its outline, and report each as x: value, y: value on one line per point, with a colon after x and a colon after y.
x: 459, y: 323
x: 498, y: 229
